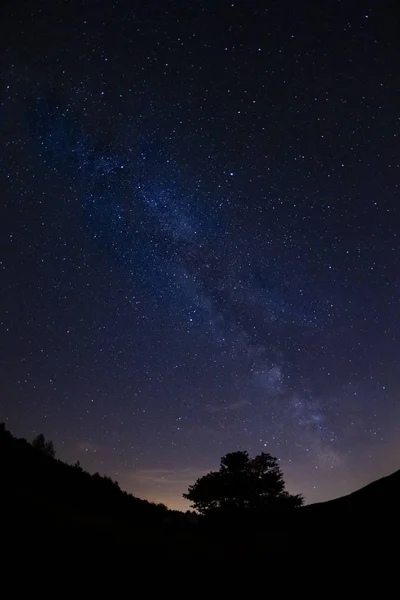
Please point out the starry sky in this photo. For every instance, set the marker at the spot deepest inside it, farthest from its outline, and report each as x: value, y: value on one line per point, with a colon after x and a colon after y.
x: 200, y: 229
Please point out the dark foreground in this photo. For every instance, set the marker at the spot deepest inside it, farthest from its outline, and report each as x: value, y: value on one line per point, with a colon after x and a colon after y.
x: 52, y: 508
x: 35, y: 523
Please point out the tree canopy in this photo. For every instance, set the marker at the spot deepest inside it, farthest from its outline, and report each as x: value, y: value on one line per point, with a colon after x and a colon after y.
x: 46, y: 446
x: 242, y: 483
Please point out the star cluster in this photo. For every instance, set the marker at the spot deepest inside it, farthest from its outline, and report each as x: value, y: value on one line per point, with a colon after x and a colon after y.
x: 200, y: 225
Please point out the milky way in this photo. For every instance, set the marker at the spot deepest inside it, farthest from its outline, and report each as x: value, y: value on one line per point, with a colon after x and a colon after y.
x: 200, y: 225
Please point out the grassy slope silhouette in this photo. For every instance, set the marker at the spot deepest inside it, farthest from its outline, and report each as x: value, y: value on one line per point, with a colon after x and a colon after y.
x: 384, y: 494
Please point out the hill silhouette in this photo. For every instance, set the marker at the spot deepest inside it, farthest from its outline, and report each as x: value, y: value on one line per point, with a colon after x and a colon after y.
x: 60, y: 505
x: 56, y: 503
x: 382, y: 494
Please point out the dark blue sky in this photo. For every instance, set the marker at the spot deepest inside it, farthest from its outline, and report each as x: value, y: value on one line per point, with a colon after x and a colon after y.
x: 200, y: 237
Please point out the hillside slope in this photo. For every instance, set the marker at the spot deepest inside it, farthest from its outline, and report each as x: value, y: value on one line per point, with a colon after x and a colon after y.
x: 381, y: 494
x: 47, y: 500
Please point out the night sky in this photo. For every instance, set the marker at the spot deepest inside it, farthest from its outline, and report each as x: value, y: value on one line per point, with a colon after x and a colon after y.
x: 200, y: 237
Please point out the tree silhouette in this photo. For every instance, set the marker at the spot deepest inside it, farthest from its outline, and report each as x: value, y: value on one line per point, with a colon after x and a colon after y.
x: 47, y: 447
x: 242, y: 483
